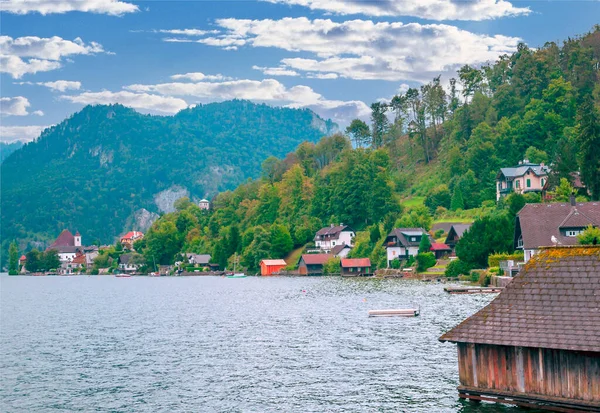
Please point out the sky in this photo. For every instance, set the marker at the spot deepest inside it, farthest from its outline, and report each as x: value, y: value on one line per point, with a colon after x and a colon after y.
x: 335, y: 57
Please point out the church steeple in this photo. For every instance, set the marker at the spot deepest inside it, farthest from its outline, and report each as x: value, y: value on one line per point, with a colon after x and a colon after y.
x: 77, y: 239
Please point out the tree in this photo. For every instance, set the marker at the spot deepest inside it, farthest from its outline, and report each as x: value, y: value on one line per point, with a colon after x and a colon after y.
x: 425, y: 260
x: 588, y: 138
x: 438, y: 196
x: 425, y: 244
x: 563, y: 191
x: 13, y: 259
x: 536, y: 155
x: 359, y: 133
x: 590, y: 236
x: 379, y: 122
x: 489, y: 234
x: 457, y: 201
x: 281, y: 241
x: 50, y: 260
x: 32, y: 261
x: 375, y: 234
x: 332, y: 266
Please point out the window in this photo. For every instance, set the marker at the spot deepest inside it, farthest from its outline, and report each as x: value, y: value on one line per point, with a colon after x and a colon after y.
x: 528, y: 183
x: 413, y: 239
x: 573, y: 233
x: 543, y: 181
x: 518, y: 184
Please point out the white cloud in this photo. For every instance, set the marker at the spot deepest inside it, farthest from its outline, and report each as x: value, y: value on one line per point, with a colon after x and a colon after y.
x: 267, y: 90
x: 276, y: 71
x: 188, y: 32
x: 112, y: 7
x: 32, y: 54
x: 425, y: 9
x: 20, y: 133
x: 141, y: 101
x: 198, y: 76
x: 322, y: 76
x: 38, y: 113
x: 61, y: 85
x: 16, y: 106
x: 363, y: 49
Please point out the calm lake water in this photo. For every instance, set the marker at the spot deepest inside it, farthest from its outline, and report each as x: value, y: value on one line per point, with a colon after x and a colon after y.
x: 212, y: 344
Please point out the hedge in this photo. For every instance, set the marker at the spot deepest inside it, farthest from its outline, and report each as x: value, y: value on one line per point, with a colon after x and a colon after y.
x: 425, y: 260
x: 456, y: 268
x: 494, y: 259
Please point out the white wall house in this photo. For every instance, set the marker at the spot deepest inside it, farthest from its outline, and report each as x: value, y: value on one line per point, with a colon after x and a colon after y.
x: 329, y: 237
x: 402, y: 243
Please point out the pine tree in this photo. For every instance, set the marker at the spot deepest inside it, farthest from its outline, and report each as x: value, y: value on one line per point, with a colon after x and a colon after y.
x: 425, y: 244
x: 13, y: 259
x: 457, y: 201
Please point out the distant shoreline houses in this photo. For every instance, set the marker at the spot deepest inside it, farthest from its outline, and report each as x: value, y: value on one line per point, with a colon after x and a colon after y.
x: 524, y: 178
x: 71, y: 253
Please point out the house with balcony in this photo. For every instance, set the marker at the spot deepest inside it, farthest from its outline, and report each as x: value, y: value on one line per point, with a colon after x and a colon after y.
x: 402, y: 243
x: 542, y: 225
x: 329, y: 237
x: 521, y: 179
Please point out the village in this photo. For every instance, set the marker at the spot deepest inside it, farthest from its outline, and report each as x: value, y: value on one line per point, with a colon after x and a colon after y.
x: 410, y: 252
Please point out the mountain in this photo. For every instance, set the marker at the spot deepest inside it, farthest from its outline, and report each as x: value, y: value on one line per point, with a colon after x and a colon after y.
x: 8, y: 148
x: 108, y: 168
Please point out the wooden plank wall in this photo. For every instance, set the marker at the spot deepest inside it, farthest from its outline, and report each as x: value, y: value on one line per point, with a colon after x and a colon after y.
x: 556, y: 373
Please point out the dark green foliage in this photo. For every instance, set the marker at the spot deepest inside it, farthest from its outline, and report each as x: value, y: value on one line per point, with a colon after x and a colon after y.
x: 457, y: 199
x: 359, y: 133
x: 42, y: 261
x: 425, y: 244
x: 395, y: 263
x: 588, y: 139
x: 425, y: 260
x: 438, y: 197
x: 281, y: 241
x: 487, y: 235
x: 375, y: 234
x: 13, y: 259
x: 93, y: 170
x: 456, y: 268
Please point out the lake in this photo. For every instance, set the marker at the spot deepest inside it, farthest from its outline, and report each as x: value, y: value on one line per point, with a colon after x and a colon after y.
x: 213, y: 344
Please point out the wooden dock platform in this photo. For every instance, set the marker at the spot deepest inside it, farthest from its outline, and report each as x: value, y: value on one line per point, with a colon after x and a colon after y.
x: 473, y: 290
x: 400, y: 312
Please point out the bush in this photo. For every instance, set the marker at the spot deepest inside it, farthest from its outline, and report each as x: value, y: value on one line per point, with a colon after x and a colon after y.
x: 476, y: 275
x: 425, y: 260
x: 332, y: 266
x: 395, y: 264
x: 13, y: 272
x: 456, y: 268
x: 494, y: 259
x: 485, y: 279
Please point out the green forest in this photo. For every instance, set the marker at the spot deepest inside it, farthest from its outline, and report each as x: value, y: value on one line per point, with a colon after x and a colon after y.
x: 430, y: 154
x: 92, y: 171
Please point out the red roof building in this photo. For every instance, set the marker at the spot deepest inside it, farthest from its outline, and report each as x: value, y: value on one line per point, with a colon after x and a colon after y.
x: 312, y: 264
x: 440, y: 249
x: 270, y: 267
x: 128, y: 239
x: 356, y: 266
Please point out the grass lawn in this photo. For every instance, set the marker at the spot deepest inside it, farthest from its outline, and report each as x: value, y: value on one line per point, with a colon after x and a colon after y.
x: 412, y: 202
x: 293, y: 257
x: 454, y: 220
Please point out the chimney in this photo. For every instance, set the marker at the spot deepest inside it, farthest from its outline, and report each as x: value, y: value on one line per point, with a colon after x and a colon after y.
x: 573, y: 203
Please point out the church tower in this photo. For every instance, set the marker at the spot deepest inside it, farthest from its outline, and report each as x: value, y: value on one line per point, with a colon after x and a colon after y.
x: 77, y: 239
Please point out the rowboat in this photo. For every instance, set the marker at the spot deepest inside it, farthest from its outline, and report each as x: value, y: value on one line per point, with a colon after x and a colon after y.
x: 122, y: 275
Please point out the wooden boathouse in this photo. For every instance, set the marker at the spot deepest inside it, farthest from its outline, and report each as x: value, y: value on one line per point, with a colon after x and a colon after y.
x: 538, y: 343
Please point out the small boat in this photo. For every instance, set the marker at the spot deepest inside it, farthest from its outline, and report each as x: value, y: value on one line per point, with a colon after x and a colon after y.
x: 398, y: 312
x: 236, y: 274
x: 122, y: 275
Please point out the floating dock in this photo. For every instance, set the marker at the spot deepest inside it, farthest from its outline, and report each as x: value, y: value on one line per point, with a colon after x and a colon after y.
x: 400, y: 312
x: 473, y: 290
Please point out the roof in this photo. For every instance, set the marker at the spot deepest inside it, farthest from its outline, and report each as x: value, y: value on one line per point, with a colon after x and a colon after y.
x: 553, y: 303
x: 355, y: 262
x: 339, y: 248
x: 516, y: 171
x: 65, y: 249
x: 316, y: 259
x: 132, y: 235
x: 332, y: 232
x: 459, y: 229
x: 204, y: 200
x: 64, y: 239
x: 537, y: 223
x: 400, y: 234
x: 80, y: 259
x: 273, y: 262
x: 199, y: 258
x: 23, y: 258
x: 438, y: 246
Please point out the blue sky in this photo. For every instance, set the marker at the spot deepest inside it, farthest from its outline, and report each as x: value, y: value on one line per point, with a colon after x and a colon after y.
x: 333, y: 56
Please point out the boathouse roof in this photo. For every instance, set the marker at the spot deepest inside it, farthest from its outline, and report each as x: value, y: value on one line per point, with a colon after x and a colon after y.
x: 553, y: 303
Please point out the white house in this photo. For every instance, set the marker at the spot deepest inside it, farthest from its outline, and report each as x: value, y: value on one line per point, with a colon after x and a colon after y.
x: 204, y: 204
x: 402, y: 243
x: 329, y: 237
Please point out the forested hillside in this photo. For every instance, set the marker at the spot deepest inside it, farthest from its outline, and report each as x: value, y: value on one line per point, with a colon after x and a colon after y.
x: 445, y: 145
x: 8, y: 148
x: 106, y: 165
